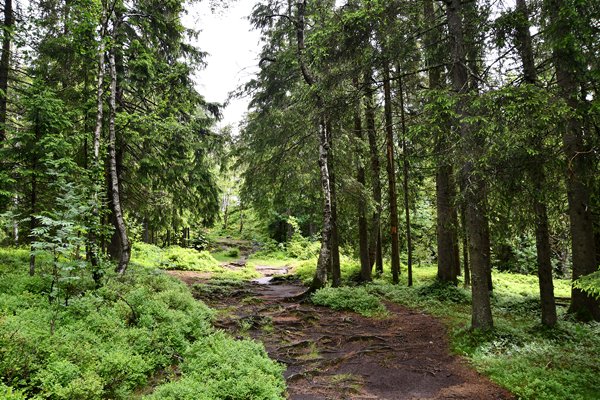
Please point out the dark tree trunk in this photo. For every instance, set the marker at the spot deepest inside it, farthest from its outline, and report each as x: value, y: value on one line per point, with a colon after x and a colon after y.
x: 115, y: 198
x: 375, y: 252
x: 146, y: 235
x: 448, y: 259
x: 9, y: 23
x: 475, y: 190
x: 392, y: 194
x: 241, y: 218
x: 336, y: 274
x: 577, y: 154
x: 538, y: 178
x: 363, y: 238
x: 405, y: 180
x: 465, y: 248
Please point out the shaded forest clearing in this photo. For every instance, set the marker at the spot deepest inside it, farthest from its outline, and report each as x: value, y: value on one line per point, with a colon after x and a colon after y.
x: 332, y: 354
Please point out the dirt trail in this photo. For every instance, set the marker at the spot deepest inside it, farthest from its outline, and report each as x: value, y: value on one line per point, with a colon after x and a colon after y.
x: 342, y: 355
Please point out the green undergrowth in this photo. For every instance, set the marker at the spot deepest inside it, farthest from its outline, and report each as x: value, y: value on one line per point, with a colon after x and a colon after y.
x: 357, y: 299
x: 183, y: 259
x: 531, y: 361
x: 111, y: 342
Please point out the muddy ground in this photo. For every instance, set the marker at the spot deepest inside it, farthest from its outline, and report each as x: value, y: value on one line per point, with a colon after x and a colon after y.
x: 342, y: 355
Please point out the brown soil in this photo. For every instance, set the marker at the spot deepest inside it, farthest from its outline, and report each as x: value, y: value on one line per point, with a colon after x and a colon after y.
x: 342, y: 355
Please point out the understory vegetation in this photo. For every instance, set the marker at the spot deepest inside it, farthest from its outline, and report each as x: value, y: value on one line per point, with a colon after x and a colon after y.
x: 517, y: 354
x: 140, y: 335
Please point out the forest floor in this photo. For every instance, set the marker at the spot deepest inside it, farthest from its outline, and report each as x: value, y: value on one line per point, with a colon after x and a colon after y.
x: 336, y: 354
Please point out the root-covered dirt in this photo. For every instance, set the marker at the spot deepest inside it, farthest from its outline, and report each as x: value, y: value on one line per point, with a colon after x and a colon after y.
x: 342, y: 355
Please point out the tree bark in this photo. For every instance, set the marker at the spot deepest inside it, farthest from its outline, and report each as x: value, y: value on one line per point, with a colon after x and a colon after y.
x: 336, y: 273
x: 392, y: 194
x: 448, y: 260
x: 117, y: 211
x: 320, y: 278
x: 577, y: 154
x: 538, y: 179
x: 9, y: 24
x: 324, y: 261
x: 475, y: 189
x: 375, y: 252
x: 32, y: 219
x: 92, y: 246
x: 363, y: 238
x: 405, y: 180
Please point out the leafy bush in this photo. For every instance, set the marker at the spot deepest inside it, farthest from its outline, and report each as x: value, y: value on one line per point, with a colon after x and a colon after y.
x: 356, y: 299
x: 178, y: 258
x: 589, y: 284
x: 243, y: 372
x: 107, y: 342
x: 233, y: 253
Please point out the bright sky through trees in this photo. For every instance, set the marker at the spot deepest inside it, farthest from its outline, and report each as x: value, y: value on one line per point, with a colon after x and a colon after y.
x: 232, y: 48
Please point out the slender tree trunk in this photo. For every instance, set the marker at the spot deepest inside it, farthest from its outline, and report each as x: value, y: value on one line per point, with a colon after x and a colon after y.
x: 92, y: 246
x: 324, y: 262
x: 9, y: 24
x: 241, y: 218
x: 120, y: 227
x: 363, y: 238
x: 16, y: 222
x: 32, y: 219
x: 465, y: 248
x: 336, y: 274
x: 146, y: 234
x: 320, y: 278
x: 375, y: 252
x: 392, y: 193
x: 405, y: 180
x: 538, y: 178
x: 475, y: 187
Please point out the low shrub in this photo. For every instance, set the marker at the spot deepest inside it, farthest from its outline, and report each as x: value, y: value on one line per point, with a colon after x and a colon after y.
x: 108, y: 342
x: 356, y: 299
x: 218, y: 367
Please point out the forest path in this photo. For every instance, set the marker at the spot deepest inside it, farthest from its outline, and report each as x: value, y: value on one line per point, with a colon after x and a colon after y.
x: 343, y: 355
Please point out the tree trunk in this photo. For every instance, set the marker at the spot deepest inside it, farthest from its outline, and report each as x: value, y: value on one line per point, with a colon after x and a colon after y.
x: 117, y: 211
x: 392, y: 194
x: 578, y: 178
x: 324, y: 262
x: 9, y: 24
x: 465, y: 248
x: 538, y: 178
x: 336, y: 274
x: 32, y: 219
x: 146, y: 234
x: 320, y: 278
x: 405, y: 179
x: 474, y: 195
x: 92, y: 247
x: 375, y: 252
x: 363, y: 238
x: 448, y: 260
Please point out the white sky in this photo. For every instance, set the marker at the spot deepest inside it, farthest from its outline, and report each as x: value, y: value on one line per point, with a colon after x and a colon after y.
x: 233, y: 49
